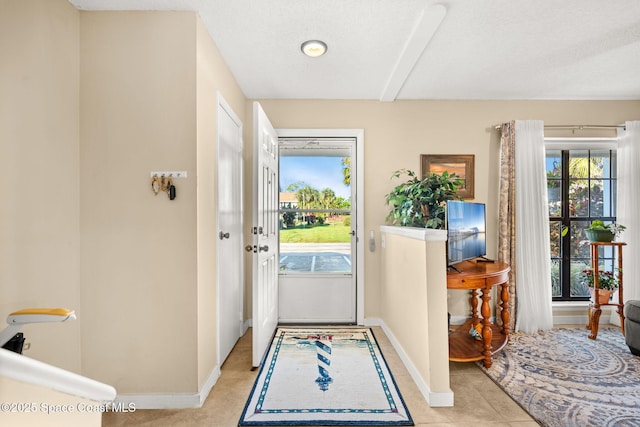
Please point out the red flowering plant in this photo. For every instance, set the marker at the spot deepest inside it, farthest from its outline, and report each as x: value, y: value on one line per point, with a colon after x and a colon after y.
x: 607, y: 280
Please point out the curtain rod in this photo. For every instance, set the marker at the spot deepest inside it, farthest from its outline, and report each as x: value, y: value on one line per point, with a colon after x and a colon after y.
x: 579, y: 127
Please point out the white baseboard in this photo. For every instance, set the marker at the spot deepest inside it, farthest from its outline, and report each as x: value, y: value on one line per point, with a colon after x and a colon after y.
x: 606, y: 318
x: 458, y: 320
x: 373, y: 321
x: 434, y: 399
x: 570, y: 313
x: 573, y: 316
x: 173, y: 400
x: 575, y: 319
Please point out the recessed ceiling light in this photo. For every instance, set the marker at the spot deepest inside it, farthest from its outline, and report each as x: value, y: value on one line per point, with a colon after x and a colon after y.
x: 314, y: 48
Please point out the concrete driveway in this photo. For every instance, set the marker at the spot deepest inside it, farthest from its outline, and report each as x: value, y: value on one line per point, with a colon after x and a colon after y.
x: 315, y: 257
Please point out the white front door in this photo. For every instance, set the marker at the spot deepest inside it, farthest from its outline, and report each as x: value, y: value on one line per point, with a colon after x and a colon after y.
x: 230, y: 238
x: 318, y: 236
x: 265, y: 233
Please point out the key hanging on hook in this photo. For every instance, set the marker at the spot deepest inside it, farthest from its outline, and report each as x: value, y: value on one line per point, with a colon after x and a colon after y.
x: 155, y: 185
x: 163, y: 183
x: 171, y: 189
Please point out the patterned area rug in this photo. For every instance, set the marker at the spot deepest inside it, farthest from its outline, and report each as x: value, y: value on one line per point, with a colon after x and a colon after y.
x: 319, y: 376
x: 562, y: 378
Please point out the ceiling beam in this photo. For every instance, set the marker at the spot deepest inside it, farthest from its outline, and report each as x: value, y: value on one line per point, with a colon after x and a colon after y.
x: 427, y: 25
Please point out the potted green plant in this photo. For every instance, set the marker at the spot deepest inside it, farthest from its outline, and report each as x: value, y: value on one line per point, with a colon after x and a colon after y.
x: 598, y: 231
x: 608, y: 282
x: 421, y: 202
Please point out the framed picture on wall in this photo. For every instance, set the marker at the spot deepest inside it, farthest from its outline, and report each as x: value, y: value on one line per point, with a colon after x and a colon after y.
x: 460, y: 164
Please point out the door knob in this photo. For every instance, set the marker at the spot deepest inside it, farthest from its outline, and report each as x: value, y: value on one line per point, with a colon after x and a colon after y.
x: 248, y: 248
x: 264, y: 248
x: 223, y: 235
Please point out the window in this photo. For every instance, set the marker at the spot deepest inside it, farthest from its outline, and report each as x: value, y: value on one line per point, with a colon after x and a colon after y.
x: 581, y: 186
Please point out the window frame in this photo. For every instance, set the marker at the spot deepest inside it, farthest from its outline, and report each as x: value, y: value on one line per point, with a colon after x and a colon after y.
x: 566, y: 146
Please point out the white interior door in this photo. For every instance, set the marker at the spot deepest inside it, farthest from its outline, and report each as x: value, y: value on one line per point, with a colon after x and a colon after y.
x: 229, y: 234
x: 265, y: 233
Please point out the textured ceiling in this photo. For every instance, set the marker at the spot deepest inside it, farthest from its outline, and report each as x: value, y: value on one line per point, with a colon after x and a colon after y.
x: 387, y: 49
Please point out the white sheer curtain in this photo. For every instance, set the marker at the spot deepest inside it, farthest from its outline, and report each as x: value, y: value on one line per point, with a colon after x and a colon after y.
x: 628, y: 204
x: 533, y: 274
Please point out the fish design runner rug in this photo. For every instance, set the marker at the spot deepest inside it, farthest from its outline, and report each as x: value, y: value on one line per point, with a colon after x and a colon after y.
x: 325, y: 376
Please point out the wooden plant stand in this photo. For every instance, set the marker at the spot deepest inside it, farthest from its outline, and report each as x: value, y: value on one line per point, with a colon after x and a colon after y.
x: 594, y: 306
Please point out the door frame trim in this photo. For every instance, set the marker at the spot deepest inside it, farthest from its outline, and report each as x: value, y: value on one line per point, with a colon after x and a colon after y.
x: 358, y: 134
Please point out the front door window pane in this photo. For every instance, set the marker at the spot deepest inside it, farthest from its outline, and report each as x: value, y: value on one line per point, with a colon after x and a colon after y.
x: 315, y: 213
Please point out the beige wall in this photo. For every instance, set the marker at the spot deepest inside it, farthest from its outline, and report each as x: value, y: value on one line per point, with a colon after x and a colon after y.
x: 139, y: 250
x: 396, y: 133
x: 149, y: 103
x: 39, y: 171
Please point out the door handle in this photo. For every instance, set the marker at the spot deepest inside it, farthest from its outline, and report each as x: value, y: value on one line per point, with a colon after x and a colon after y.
x: 223, y: 235
x: 264, y: 248
x: 248, y: 248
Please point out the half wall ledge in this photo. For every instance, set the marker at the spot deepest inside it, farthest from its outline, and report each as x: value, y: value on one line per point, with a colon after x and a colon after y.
x: 414, y: 305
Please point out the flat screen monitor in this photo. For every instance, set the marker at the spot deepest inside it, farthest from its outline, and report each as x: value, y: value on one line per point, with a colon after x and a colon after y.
x: 466, y: 231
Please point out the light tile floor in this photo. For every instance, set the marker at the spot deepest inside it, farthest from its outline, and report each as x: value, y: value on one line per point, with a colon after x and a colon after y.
x: 478, y: 401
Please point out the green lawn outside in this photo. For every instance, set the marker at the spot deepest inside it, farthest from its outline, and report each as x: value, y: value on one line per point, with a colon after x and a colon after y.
x: 325, y: 233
